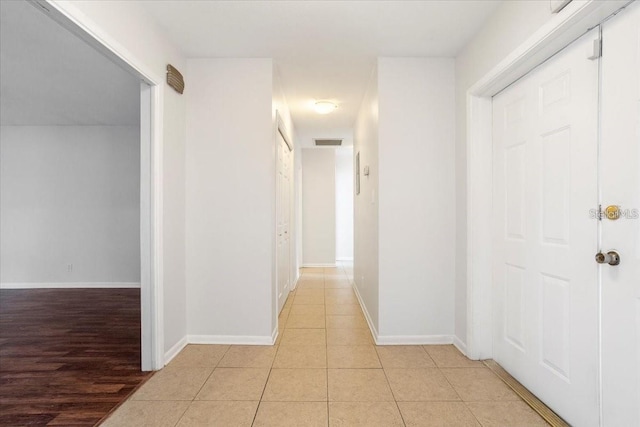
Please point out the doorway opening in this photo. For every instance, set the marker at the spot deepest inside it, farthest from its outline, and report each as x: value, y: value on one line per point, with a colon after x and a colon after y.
x: 80, y: 260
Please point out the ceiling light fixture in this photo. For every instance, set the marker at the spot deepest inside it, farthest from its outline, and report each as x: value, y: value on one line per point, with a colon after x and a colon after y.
x: 324, y: 107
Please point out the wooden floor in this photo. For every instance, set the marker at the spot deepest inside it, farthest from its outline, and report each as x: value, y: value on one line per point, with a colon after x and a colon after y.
x: 67, y: 356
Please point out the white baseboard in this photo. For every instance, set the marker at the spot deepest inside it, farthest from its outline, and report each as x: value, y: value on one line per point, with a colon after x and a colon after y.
x: 414, y: 339
x: 295, y: 283
x: 344, y: 259
x: 460, y: 345
x: 274, y: 335
x: 367, y: 317
x: 174, y: 350
x: 70, y: 285
x: 230, y: 339
x: 318, y: 265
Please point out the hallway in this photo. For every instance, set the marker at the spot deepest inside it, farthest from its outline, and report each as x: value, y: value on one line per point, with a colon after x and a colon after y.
x: 324, y: 370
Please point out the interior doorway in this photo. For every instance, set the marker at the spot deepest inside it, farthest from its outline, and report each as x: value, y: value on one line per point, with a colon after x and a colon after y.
x: 545, y: 280
x: 284, y: 213
x: 566, y: 233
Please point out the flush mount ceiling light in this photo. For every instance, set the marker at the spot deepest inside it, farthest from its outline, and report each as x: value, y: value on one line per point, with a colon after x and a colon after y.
x: 324, y: 107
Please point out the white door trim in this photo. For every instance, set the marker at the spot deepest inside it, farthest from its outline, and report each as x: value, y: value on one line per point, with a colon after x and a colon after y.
x: 561, y: 29
x: 151, y: 243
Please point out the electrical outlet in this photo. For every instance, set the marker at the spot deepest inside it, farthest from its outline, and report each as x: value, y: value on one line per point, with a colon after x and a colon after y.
x: 69, y: 268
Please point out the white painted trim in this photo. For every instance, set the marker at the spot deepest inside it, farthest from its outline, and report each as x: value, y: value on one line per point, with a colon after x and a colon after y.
x: 175, y: 350
x: 73, y: 19
x: 561, y: 29
x: 295, y: 282
x: 414, y: 339
x: 71, y: 285
x: 230, y: 339
x: 344, y: 259
x: 274, y: 335
x: 460, y: 345
x: 363, y: 307
x: 319, y: 265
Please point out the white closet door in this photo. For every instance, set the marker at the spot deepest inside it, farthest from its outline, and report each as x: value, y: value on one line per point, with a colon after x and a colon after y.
x: 545, y: 277
x: 620, y: 185
x: 283, y: 209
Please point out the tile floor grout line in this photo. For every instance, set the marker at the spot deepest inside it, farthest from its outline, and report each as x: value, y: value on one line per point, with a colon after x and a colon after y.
x: 395, y: 400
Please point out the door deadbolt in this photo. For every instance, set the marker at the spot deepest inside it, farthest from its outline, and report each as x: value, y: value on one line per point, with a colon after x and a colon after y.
x: 611, y: 258
x: 612, y: 212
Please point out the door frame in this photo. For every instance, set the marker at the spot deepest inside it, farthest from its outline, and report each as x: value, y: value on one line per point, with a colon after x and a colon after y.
x: 151, y: 161
x: 559, y: 31
x: 281, y: 129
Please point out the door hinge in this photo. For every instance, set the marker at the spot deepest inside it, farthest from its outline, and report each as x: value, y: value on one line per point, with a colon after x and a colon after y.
x: 599, y: 212
x: 596, y: 50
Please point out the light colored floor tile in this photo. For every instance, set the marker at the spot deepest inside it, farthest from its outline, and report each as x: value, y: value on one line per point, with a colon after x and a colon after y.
x: 296, y: 385
x: 249, y: 356
x: 343, y: 309
x: 306, y: 321
x: 448, y: 356
x: 291, y: 414
x: 219, y: 414
x: 420, y: 385
x: 313, y: 293
x: 301, y: 356
x: 199, y: 356
x: 173, y: 383
x: 282, y: 319
x: 404, y: 356
x: 339, y: 292
x: 312, y: 270
x: 147, y: 414
x: 346, y: 322
x: 234, y: 384
x: 437, y: 414
x: 478, y: 384
x: 346, y: 299
x: 352, y: 356
x: 308, y: 309
x: 337, y: 283
x: 349, y: 337
x: 302, y: 299
x: 304, y: 337
x: 310, y: 284
x: 333, y: 270
x: 505, y: 414
x: 358, y: 385
x: 364, y: 414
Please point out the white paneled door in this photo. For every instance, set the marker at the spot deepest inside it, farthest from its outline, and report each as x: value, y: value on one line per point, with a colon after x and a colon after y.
x: 545, y: 129
x: 283, y: 216
x: 567, y: 188
x: 620, y: 186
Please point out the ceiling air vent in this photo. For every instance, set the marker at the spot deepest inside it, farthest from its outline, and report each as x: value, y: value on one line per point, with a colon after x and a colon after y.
x: 327, y: 142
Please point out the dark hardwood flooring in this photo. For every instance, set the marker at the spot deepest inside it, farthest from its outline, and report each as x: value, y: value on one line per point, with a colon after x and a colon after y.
x: 67, y: 356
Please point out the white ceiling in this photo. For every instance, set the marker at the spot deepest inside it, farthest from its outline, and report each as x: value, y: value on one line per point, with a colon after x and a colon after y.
x: 49, y: 76
x: 322, y: 49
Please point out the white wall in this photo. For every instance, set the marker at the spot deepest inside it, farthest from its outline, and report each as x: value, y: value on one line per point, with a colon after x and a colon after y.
x: 125, y: 24
x: 70, y: 195
x: 318, y: 206
x: 510, y: 25
x: 230, y: 202
x: 365, y: 265
x: 416, y: 196
x: 404, y: 244
x: 344, y: 203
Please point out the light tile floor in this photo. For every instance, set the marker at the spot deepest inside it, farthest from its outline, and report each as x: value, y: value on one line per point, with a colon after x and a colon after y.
x: 324, y: 370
